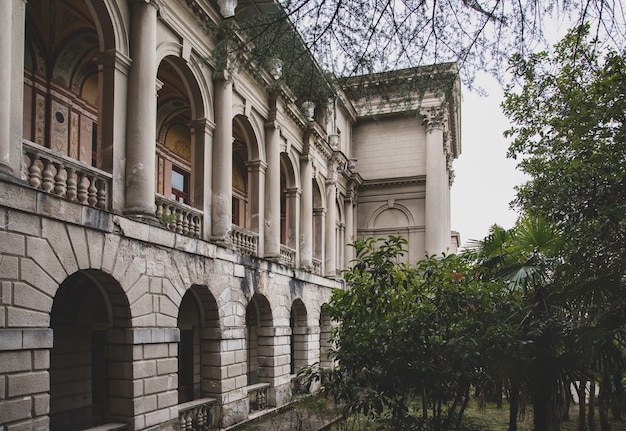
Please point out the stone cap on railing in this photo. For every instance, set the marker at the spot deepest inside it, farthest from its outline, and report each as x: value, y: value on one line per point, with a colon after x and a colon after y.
x: 190, y: 405
x: 109, y: 427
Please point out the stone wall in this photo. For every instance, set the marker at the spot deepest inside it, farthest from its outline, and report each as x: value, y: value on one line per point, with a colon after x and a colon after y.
x: 99, y: 273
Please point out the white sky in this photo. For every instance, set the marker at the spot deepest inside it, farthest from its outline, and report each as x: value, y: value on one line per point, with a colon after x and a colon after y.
x: 484, y: 178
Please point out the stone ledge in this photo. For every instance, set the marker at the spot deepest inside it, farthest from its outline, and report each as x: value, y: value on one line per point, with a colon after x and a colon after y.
x: 109, y: 427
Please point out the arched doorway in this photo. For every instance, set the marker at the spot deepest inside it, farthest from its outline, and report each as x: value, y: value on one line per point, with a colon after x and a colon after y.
x: 88, y: 312
x: 299, y: 337
x: 258, y: 337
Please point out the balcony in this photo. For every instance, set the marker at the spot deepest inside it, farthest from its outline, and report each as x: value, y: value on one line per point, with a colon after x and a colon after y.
x: 317, y: 266
x: 65, y: 177
x: 245, y: 241
x: 178, y: 217
x: 287, y: 256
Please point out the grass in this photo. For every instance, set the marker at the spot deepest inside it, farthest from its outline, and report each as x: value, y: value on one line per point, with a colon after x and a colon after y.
x: 313, y: 413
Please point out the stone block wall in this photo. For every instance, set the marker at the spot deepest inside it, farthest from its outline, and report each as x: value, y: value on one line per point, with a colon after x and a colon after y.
x: 141, y: 273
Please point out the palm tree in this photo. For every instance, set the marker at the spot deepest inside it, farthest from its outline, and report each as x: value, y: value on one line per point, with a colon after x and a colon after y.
x: 525, y: 258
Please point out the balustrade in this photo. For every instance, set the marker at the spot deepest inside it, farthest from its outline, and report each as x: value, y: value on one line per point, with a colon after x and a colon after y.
x: 65, y: 177
x: 178, y: 217
x: 317, y: 266
x: 195, y: 415
x: 287, y: 255
x: 245, y: 241
x: 257, y: 396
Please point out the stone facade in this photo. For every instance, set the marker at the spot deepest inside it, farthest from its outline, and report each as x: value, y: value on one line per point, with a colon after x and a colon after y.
x: 169, y: 234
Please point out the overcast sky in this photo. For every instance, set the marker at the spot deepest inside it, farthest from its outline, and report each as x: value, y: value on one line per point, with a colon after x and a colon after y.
x: 484, y: 178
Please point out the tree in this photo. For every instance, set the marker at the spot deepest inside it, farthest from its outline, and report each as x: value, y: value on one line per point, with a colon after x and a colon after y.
x: 569, y: 131
x: 411, y: 331
x: 351, y: 38
x: 537, y: 358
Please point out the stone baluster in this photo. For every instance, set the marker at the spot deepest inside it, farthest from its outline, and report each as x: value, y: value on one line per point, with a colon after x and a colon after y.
x: 47, y: 176
x: 71, y: 184
x: 34, y: 172
x: 83, y: 193
x: 92, y: 191
x: 102, y: 195
x: 59, y: 179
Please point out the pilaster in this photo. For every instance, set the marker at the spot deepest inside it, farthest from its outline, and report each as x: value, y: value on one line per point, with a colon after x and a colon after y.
x: 272, y: 190
x: 330, y: 253
x: 306, y: 213
x: 6, y: 15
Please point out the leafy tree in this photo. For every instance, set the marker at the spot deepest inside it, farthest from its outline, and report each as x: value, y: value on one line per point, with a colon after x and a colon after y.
x: 569, y: 132
x: 411, y: 331
x: 570, y: 136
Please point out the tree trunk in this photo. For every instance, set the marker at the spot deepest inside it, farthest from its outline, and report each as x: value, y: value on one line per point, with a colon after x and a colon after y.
x: 513, y: 406
x: 582, y: 405
x: 603, y: 404
x: 591, y: 419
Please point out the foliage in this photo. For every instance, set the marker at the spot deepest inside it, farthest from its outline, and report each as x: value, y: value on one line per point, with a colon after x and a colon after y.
x: 569, y: 133
x: 408, y: 331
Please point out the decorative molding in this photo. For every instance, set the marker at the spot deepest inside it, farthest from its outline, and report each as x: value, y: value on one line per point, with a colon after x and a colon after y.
x: 434, y: 117
x: 420, y: 179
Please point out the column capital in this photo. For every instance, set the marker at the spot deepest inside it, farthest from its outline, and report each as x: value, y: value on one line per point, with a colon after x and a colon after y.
x: 256, y: 165
x: 202, y: 125
x: 272, y: 124
x: 434, y: 117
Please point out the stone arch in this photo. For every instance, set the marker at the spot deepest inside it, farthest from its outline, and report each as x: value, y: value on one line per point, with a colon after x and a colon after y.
x: 299, y: 342
x: 395, y: 208
x: 198, y: 359
x: 110, y: 25
x: 319, y: 201
x: 289, y: 201
x: 325, y: 344
x: 83, y: 30
x: 180, y: 132
x: 248, y: 170
x: 89, y: 316
x: 259, y: 322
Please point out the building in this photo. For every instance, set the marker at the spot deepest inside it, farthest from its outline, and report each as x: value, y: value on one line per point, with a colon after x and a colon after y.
x: 169, y: 233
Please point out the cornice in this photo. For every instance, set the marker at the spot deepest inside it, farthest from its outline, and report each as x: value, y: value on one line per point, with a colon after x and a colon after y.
x: 386, y: 182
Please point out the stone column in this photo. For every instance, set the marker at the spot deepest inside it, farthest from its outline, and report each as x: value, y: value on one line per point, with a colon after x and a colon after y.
x: 6, y: 14
x: 436, y: 180
x: 306, y: 213
x: 330, y: 258
x: 222, y: 199
x: 142, y: 103
x: 272, y: 190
